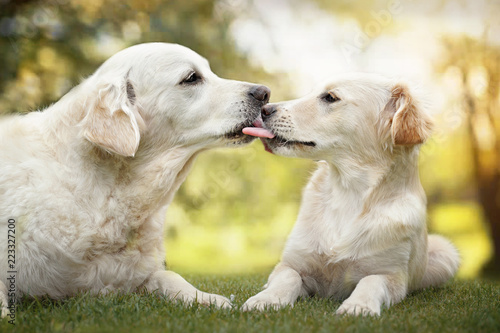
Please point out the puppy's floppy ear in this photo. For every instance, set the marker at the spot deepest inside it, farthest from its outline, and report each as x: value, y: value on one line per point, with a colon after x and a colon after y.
x: 112, y: 121
x: 410, y: 123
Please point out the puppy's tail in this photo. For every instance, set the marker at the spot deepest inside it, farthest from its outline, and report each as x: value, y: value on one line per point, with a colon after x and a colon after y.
x: 443, y: 262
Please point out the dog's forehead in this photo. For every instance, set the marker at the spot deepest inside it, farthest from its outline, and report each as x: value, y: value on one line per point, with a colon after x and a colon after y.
x: 155, y: 57
x: 356, y: 80
x: 165, y: 49
x: 183, y: 60
x: 176, y: 56
x: 185, y: 55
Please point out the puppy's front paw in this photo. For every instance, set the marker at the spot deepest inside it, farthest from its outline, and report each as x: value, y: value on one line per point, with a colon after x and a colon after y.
x: 263, y: 301
x: 354, y: 308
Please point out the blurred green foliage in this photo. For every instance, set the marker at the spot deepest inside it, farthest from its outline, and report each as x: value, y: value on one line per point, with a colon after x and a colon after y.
x: 46, y: 47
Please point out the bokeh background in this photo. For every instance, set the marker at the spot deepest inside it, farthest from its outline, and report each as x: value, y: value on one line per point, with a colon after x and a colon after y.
x: 234, y: 212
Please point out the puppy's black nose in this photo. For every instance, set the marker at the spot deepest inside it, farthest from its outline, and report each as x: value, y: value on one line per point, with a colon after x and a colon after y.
x: 260, y: 93
x: 268, y: 110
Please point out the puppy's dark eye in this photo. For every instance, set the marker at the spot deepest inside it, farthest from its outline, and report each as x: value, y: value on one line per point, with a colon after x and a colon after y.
x: 192, y: 78
x: 330, y: 98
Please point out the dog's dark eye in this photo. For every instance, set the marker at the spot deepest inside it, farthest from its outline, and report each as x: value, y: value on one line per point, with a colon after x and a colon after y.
x: 191, y: 78
x: 330, y: 98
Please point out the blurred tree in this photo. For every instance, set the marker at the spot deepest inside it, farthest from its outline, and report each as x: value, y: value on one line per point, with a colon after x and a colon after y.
x: 478, y: 65
x: 47, y: 46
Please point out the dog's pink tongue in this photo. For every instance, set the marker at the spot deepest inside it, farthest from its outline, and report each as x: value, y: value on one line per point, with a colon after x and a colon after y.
x: 258, y: 131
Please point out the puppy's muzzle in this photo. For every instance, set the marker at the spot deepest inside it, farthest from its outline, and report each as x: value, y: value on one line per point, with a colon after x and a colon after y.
x: 268, y: 110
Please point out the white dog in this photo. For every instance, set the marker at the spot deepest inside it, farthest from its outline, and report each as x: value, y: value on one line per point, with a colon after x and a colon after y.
x: 84, y: 185
x: 361, y: 231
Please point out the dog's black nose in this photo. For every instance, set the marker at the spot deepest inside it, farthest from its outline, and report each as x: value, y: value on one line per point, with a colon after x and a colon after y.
x: 260, y: 93
x: 268, y: 110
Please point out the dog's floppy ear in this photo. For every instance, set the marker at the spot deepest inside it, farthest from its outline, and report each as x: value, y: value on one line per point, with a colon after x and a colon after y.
x: 410, y: 124
x: 112, y: 122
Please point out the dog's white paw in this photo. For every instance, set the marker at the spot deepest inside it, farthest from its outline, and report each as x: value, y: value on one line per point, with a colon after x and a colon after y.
x: 353, y: 308
x: 205, y: 299
x: 217, y: 300
x: 4, y: 301
x: 4, y: 312
x: 262, y: 301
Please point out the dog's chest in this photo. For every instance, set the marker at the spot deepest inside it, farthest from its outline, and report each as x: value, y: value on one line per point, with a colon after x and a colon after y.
x: 325, y: 219
x: 322, y: 275
x: 311, y: 251
x: 328, y: 216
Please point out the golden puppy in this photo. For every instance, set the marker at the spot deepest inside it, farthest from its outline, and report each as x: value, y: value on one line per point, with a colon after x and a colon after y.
x: 361, y: 232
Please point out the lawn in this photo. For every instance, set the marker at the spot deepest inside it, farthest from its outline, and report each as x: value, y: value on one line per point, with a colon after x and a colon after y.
x: 460, y: 306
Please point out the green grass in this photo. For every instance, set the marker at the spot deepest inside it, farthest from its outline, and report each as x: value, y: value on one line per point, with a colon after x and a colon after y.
x: 460, y: 306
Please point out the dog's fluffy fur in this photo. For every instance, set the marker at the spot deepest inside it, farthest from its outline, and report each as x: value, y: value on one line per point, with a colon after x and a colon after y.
x: 89, y: 179
x: 361, y: 231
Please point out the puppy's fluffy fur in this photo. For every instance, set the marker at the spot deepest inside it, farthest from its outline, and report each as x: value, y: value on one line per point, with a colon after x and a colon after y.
x: 361, y: 231
x: 89, y: 179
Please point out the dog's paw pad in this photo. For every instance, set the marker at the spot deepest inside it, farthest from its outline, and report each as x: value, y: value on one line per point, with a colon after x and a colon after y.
x: 204, y: 299
x: 260, y: 303
x: 216, y: 300
x: 354, y: 309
